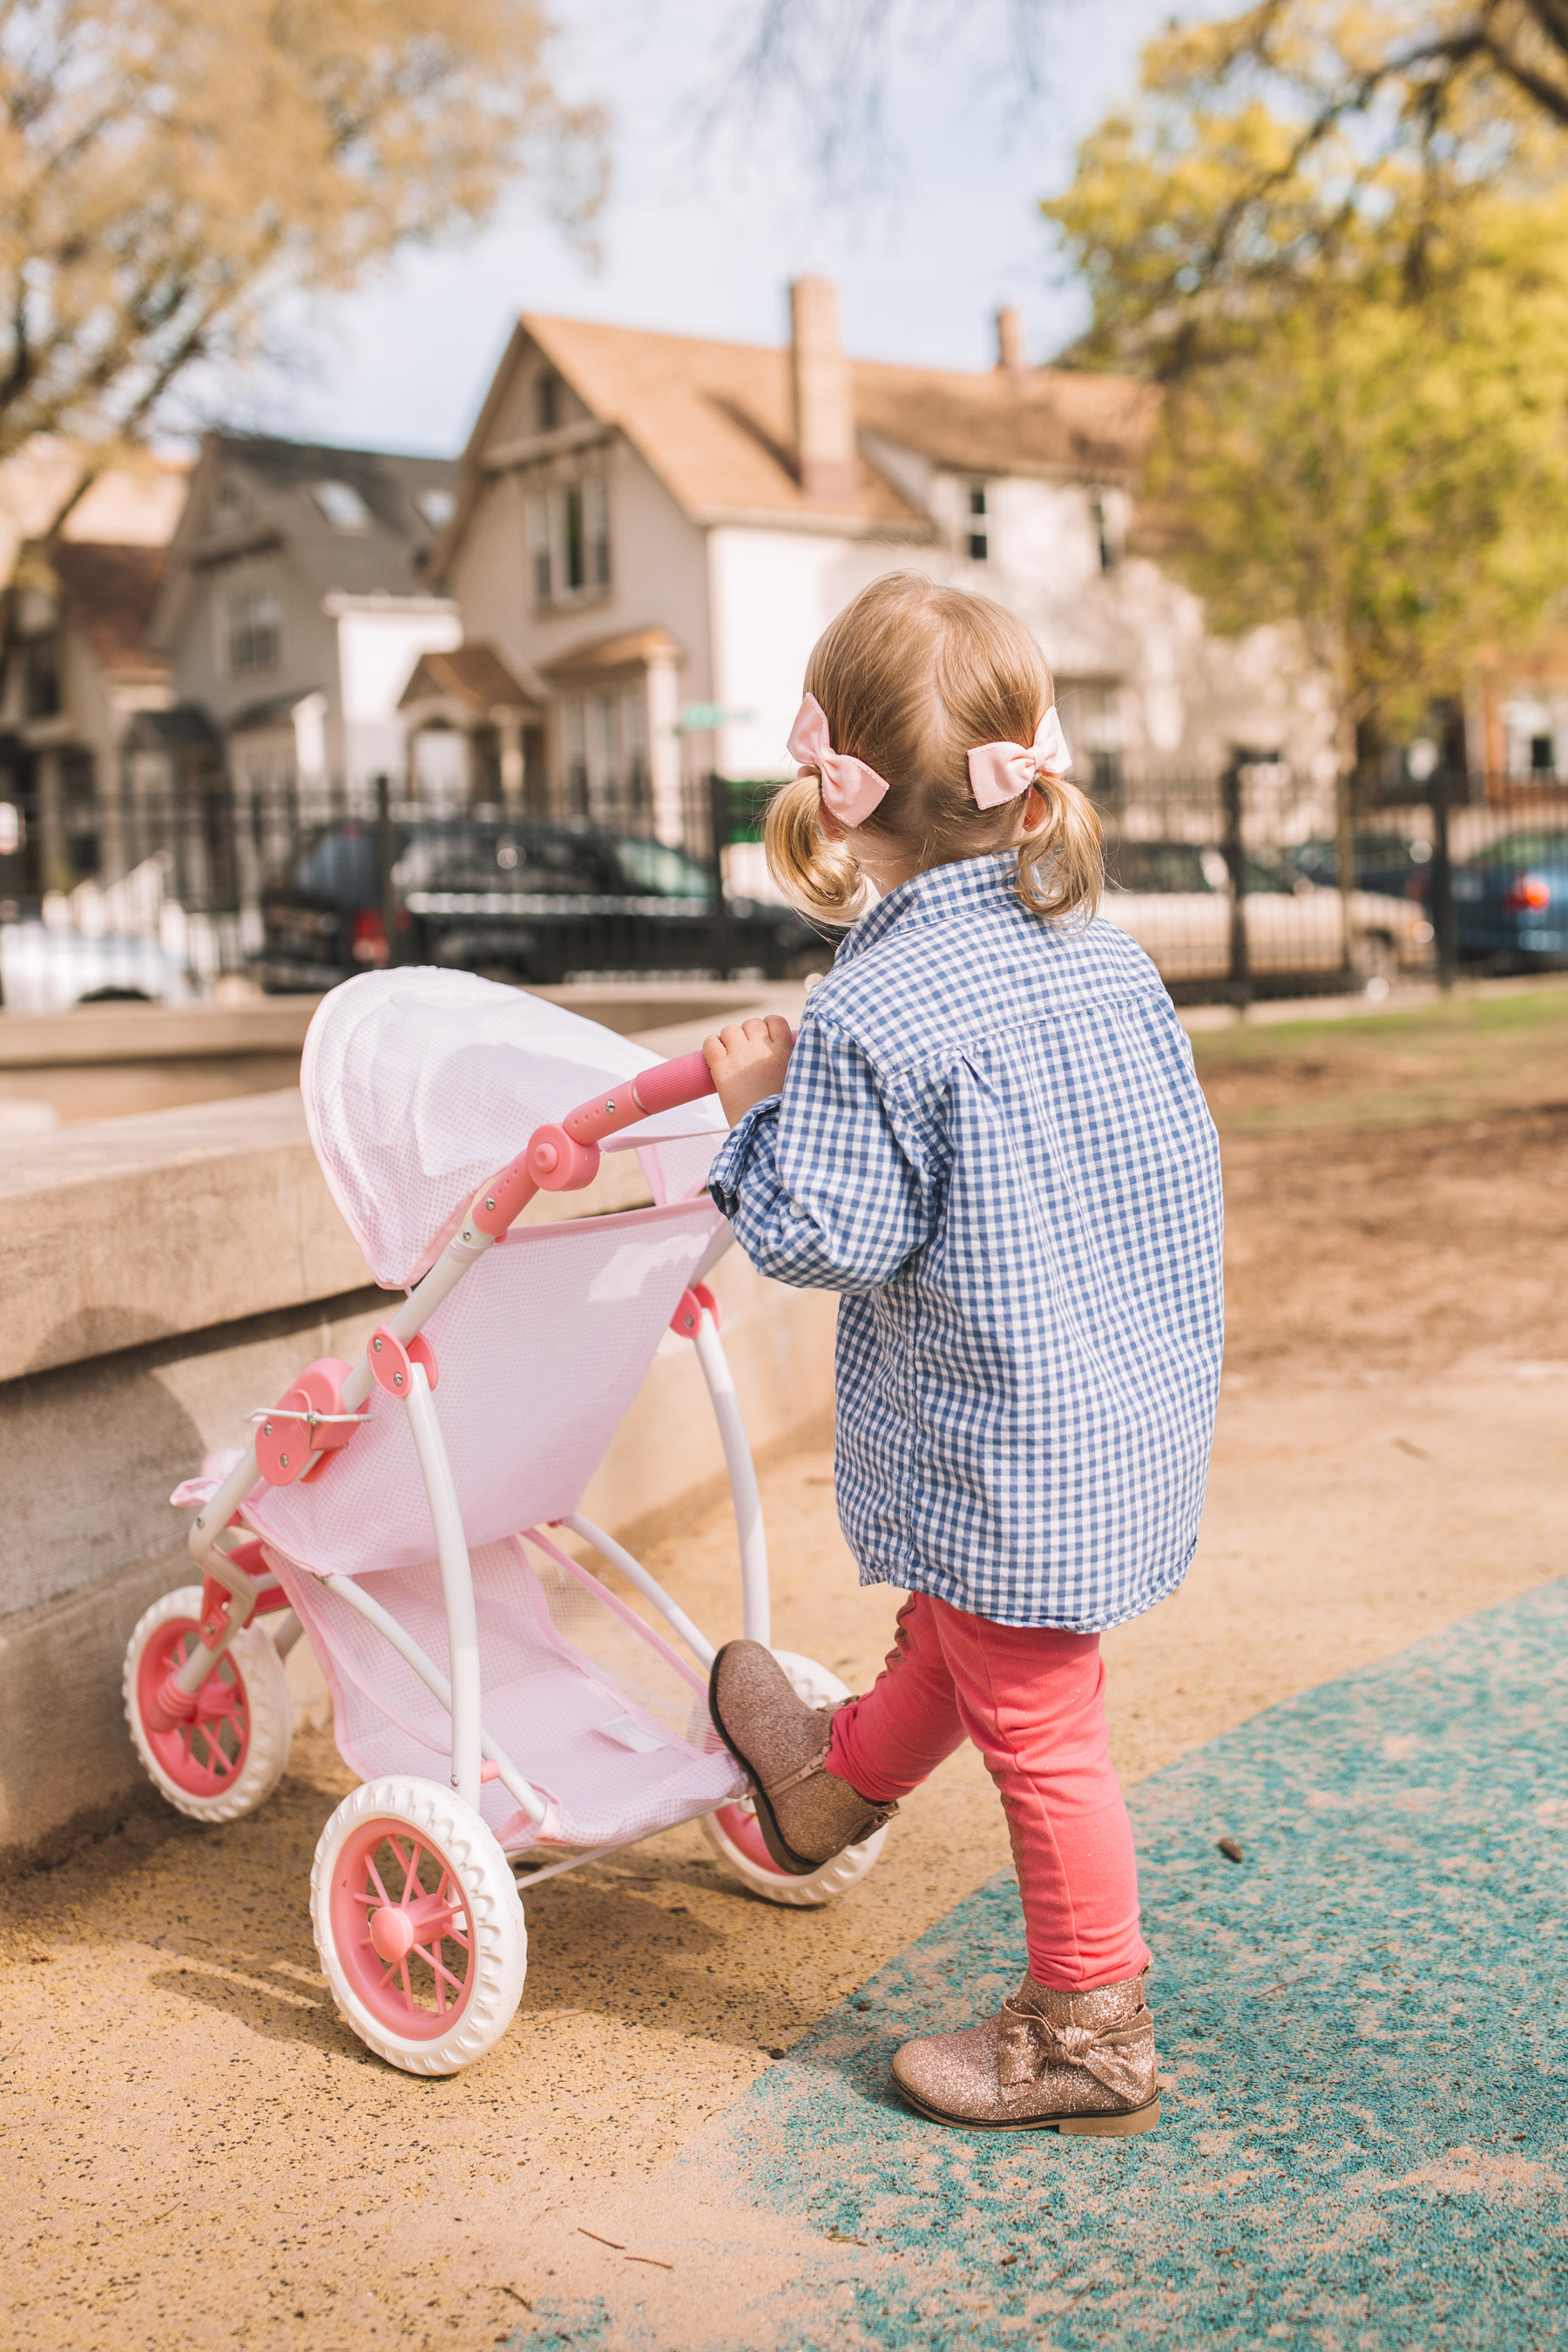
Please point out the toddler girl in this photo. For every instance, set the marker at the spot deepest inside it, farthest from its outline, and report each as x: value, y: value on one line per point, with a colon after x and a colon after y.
x: 989, y: 1140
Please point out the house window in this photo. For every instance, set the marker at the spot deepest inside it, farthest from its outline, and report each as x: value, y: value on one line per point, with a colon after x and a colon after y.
x: 606, y: 765
x: 1106, y: 515
x: 1094, y: 723
x: 596, y: 524
x: 979, y: 528
x: 547, y: 402
x: 254, y: 631
x: 539, y: 565
x: 573, y: 570
x: 41, y: 676
x: 342, y: 506
x: 569, y: 541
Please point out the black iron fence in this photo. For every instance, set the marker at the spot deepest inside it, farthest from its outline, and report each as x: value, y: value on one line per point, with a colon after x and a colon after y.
x: 1258, y: 882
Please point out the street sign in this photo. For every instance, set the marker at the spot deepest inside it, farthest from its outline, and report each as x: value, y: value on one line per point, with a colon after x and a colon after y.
x: 699, y: 718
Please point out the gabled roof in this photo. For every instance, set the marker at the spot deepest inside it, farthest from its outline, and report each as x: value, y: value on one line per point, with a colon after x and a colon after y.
x: 277, y: 485
x: 625, y: 650
x: 715, y: 422
x: 475, y: 676
x: 108, y: 594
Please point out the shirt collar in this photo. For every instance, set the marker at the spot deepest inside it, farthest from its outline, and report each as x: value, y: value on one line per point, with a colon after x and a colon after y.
x: 932, y: 897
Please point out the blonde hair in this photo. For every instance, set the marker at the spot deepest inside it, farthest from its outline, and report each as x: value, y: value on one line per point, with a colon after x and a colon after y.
x: 912, y: 677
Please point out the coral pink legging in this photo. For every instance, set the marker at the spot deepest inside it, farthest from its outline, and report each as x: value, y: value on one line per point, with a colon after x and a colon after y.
x: 1030, y: 1697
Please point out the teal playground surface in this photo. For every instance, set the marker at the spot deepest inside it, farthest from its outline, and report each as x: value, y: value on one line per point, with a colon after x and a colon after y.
x: 1362, y: 2025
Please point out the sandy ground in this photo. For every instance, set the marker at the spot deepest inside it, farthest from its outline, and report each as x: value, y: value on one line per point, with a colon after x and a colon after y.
x: 198, y: 2153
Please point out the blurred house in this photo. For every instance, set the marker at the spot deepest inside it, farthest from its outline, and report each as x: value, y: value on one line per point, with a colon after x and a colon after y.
x: 1518, y: 714
x: 651, y: 530
x: 297, y: 606
x: 75, y: 669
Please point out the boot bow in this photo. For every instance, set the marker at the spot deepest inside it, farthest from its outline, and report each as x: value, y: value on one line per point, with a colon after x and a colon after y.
x: 1027, y: 2044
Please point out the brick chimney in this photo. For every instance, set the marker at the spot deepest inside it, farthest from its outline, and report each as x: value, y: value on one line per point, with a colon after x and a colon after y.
x: 824, y: 403
x: 1011, y: 357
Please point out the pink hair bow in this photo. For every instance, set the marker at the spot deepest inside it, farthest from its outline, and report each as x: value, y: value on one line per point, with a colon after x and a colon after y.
x: 1000, y: 772
x: 849, y: 788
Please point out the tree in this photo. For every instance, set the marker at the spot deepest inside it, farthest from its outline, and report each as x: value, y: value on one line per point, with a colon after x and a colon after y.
x: 1364, y: 421
x: 170, y: 168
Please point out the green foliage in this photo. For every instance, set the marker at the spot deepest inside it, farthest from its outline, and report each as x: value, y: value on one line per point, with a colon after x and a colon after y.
x: 170, y: 168
x: 1365, y: 355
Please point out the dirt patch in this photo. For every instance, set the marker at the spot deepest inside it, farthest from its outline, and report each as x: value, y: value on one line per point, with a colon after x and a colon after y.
x: 1397, y: 1249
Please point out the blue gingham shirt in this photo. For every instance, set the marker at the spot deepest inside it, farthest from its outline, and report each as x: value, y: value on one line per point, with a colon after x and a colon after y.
x: 992, y: 1143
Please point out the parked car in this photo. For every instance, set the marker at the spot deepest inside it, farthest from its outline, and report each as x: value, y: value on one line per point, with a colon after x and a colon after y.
x: 519, y: 900
x: 1385, y: 863
x: 1510, y: 903
x: 1174, y: 899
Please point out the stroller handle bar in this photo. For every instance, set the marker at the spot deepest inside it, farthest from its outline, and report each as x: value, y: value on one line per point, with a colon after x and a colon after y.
x: 566, y: 1158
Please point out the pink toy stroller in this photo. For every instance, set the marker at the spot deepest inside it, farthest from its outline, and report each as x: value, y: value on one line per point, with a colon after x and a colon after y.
x: 508, y: 1715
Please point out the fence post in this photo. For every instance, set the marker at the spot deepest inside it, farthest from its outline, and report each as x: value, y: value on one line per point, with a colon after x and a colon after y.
x: 385, y: 861
x: 1235, y: 859
x: 718, y: 815
x: 1344, y: 865
x: 1444, y: 929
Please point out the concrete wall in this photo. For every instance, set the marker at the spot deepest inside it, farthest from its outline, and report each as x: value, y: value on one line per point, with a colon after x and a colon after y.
x: 163, y: 1275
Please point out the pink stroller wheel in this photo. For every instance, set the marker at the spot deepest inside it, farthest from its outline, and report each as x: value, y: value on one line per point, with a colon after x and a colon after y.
x: 403, y: 1929
x: 418, y: 1924
x: 230, y: 1755
x: 205, y: 1757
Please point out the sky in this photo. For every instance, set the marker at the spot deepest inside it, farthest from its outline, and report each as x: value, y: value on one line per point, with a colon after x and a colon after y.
x: 703, y: 232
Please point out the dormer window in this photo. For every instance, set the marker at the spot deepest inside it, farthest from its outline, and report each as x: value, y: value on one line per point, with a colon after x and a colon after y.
x: 979, y: 525
x: 342, y: 506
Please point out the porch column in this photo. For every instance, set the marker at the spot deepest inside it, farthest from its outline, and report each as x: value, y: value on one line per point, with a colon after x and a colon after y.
x: 54, y: 867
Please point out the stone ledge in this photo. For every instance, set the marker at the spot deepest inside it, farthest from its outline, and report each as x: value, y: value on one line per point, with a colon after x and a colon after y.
x: 153, y: 1033
x: 122, y: 1232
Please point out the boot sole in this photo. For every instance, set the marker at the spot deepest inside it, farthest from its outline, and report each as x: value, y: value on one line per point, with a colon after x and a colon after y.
x: 1122, y: 2126
x: 793, y: 1865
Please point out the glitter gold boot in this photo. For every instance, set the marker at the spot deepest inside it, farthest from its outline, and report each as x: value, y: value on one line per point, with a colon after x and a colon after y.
x: 1080, y: 2063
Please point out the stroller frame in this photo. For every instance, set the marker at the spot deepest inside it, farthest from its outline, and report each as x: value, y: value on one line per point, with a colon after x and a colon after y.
x: 563, y: 1158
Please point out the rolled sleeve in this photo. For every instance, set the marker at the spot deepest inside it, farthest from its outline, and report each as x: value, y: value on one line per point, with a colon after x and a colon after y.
x: 816, y: 1182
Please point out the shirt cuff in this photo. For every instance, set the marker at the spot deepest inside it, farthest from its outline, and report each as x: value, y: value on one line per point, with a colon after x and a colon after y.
x: 728, y: 1173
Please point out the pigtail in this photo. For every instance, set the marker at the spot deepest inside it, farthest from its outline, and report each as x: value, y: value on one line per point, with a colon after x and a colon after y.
x: 822, y: 878
x: 1061, y: 868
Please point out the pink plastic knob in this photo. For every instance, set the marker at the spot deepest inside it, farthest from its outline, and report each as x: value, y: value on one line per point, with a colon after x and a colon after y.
x: 559, y: 1163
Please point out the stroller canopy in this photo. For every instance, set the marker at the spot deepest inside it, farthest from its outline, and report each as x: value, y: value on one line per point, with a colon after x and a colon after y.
x: 419, y: 1084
